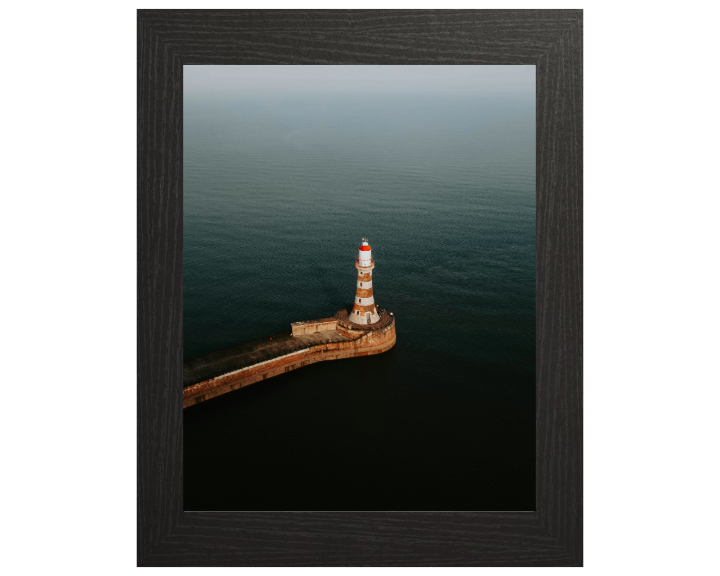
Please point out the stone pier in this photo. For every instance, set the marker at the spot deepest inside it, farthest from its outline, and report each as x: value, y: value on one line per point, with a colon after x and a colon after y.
x: 310, y: 341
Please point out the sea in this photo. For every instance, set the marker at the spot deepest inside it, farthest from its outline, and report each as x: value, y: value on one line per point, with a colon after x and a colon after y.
x: 278, y: 191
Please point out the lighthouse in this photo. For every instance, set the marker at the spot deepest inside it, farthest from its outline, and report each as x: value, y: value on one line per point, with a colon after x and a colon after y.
x: 364, y: 310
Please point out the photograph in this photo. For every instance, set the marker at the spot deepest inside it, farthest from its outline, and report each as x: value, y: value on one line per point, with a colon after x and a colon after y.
x: 359, y: 287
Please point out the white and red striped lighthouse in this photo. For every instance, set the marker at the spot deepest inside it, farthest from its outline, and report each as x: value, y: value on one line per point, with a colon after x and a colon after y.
x: 364, y: 310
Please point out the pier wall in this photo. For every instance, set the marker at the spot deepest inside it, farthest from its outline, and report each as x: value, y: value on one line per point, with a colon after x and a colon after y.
x: 364, y: 344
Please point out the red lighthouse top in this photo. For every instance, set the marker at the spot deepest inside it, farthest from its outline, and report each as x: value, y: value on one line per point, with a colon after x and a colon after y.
x: 365, y: 259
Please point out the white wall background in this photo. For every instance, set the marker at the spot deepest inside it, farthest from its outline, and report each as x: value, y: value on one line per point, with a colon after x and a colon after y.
x: 67, y: 191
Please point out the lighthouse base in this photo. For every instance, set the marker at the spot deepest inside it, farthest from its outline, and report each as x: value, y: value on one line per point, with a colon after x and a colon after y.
x: 364, y: 317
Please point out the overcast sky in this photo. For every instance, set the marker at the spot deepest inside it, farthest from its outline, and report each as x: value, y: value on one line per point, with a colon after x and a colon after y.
x: 359, y: 78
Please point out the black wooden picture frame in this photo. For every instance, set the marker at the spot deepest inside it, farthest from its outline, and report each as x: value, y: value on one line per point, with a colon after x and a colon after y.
x: 549, y: 39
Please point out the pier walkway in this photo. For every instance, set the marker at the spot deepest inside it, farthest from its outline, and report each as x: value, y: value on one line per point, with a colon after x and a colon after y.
x: 253, y: 352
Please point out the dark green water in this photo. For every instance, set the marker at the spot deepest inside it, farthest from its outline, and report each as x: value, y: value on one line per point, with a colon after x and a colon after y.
x: 278, y: 192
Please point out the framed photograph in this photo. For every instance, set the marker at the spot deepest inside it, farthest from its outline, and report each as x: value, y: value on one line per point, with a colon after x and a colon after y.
x: 360, y: 288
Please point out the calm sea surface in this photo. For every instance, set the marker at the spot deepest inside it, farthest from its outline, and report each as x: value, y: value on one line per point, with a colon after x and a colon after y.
x: 278, y: 192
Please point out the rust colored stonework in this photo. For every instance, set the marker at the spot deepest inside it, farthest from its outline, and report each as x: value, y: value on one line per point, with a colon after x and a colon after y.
x: 227, y: 370
x: 363, y: 309
x: 364, y: 292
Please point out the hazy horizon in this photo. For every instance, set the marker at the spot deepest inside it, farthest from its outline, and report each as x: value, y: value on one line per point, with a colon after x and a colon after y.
x: 352, y: 78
